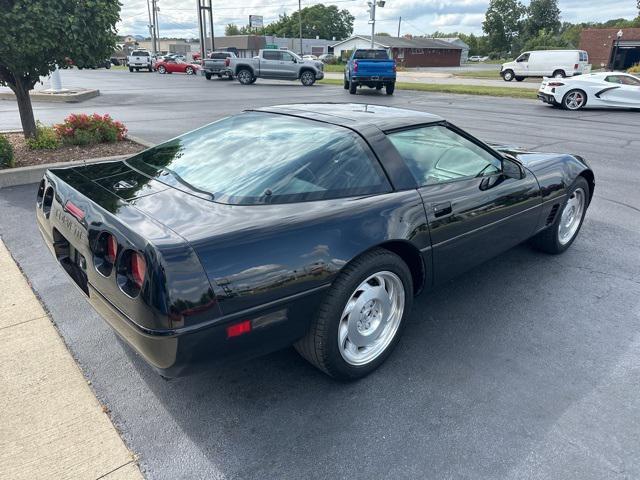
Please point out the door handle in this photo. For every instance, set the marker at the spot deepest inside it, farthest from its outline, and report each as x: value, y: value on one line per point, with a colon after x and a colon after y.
x: 441, y: 209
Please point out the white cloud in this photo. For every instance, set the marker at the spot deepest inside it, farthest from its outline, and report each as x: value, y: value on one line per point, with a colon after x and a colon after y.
x: 179, y: 17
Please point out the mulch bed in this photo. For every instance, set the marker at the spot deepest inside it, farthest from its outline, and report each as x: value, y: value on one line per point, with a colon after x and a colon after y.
x: 67, y: 153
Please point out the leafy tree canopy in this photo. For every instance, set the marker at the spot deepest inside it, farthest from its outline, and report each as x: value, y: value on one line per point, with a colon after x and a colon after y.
x: 36, y: 35
x: 503, y: 23
x: 543, y: 15
x: 317, y: 20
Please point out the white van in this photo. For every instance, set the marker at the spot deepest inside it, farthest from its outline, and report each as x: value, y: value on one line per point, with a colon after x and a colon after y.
x: 546, y: 63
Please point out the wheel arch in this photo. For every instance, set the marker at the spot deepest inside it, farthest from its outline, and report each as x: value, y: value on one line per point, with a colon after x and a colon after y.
x: 591, y: 180
x: 244, y: 66
x: 306, y: 69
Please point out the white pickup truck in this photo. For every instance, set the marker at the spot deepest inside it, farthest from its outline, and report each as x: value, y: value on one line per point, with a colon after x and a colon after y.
x: 276, y: 65
x: 140, y: 60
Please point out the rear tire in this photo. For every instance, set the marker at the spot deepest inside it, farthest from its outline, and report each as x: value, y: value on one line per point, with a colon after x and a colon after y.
x: 346, y: 84
x: 574, y: 100
x: 353, y: 87
x: 207, y: 75
x: 375, y: 321
x: 390, y: 87
x: 189, y: 71
x: 131, y: 69
x: 557, y: 238
x: 162, y: 70
x: 559, y: 74
x: 245, y: 76
x: 508, y: 75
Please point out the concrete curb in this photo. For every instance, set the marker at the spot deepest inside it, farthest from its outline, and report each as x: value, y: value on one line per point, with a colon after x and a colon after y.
x: 13, y: 177
x: 74, y: 97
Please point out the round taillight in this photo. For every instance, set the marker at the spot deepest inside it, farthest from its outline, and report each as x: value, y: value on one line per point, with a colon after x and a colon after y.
x: 138, y: 269
x: 132, y: 271
x: 105, y: 254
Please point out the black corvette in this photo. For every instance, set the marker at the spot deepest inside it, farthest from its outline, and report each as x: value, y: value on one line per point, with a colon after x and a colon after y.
x: 313, y: 225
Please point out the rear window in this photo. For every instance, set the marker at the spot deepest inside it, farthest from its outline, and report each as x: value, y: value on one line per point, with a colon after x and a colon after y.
x: 218, y: 56
x: 140, y: 53
x: 584, y: 57
x: 256, y: 158
x: 371, y: 55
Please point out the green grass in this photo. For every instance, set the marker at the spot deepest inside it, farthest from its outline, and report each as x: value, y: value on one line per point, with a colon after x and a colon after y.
x: 452, y: 88
x: 334, y: 68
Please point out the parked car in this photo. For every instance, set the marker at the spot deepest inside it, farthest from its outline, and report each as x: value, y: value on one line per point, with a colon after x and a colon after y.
x: 313, y: 225
x: 596, y: 90
x: 276, y: 64
x: 475, y: 58
x: 328, y: 58
x: 309, y: 57
x: 372, y: 68
x: 218, y: 64
x: 140, y: 60
x: 176, y: 66
x: 546, y: 63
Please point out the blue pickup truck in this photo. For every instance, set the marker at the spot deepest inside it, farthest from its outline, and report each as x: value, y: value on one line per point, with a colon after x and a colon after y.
x: 371, y: 67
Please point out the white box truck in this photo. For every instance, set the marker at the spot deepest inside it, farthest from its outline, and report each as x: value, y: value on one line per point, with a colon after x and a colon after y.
x: 546, y: 63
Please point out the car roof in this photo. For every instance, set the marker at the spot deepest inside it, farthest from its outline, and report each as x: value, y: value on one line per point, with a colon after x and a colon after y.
x: 355, y: 115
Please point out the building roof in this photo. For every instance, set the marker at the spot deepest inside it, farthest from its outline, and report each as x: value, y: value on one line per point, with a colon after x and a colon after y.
x: 402, y: 42
x: 240, y: 42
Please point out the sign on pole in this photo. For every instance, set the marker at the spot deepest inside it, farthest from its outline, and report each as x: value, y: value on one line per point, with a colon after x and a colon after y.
x: 256, y: 21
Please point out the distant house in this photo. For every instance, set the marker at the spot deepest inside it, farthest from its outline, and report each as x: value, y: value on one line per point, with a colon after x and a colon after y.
x: 310, y: 46
x: 464, y: 54
x: 244, y: 46
x: 408, y: 52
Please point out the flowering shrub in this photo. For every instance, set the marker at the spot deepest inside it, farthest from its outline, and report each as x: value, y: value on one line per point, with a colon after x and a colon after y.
x: 634, y: 69
x: 83, y: 129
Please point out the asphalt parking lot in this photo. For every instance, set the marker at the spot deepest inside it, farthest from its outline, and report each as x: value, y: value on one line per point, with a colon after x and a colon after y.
x: 525, y: 367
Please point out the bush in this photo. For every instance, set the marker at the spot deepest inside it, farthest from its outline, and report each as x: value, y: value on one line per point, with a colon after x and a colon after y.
x: 634, y: 69
x: 46, y: 138
x: 83, y: 129
x: 6, y: 152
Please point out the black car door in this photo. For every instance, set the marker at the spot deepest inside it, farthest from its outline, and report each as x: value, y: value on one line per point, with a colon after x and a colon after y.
x: 477, y: 203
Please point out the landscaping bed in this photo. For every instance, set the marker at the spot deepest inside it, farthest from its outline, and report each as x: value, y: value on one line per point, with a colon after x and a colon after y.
x: 24, y: 156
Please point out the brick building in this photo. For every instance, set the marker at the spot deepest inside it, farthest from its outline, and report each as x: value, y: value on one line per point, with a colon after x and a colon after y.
x: 408, y: 52
x: 600, y: 45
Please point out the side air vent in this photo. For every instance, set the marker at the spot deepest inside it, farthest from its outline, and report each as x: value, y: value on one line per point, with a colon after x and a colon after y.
x: 552, y: 214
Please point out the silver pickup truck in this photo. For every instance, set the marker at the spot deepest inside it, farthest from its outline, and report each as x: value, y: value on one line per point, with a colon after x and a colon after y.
x: 217, y: 64
x: 276, y: 65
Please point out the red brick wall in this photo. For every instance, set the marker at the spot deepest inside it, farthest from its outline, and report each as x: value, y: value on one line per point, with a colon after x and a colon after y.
x: 598, y: 43
x: 429, y: 58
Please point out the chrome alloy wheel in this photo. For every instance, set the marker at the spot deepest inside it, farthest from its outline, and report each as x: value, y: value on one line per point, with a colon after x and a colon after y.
x: 571, y: 216
x: 574, y: 100
x: 371, y: 318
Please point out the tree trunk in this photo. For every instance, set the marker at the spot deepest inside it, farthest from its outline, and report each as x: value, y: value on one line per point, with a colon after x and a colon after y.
x: 24, y: 107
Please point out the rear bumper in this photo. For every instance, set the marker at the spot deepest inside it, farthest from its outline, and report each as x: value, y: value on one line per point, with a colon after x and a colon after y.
x: 175, y: 352
x: 547, y: 98
x: 213, y: 71
x: 372, y: 79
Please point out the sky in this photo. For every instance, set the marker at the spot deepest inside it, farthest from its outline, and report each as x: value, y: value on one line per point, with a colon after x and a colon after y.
x: 178, y: 18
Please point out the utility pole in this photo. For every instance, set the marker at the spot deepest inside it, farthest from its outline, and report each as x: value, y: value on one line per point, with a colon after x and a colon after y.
x: 156, y: 9
x: 152, y: 30
x: 205, y: 14
x: 372, y: 17
x: 400, y: 23
x: 300, y: 24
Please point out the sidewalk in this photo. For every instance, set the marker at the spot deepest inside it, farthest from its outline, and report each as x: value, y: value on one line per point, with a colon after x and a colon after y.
x: 449, y: 79
x: 51, y: 424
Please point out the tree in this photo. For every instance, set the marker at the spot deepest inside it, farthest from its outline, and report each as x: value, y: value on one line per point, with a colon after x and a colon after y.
x: 546, y: 40
x: 37, y: 35
x: 317, y: 20
x: 543, y: 15
x: 231, y: 29
x: 503, y: 23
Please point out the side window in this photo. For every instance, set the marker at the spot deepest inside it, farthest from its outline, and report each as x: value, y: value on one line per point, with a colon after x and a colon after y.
x: 627, y: 80
x: 287, y: 57
x: 436, y: 154
x: 613, y: 79
x: 523, y: 58
x: 271, y: 55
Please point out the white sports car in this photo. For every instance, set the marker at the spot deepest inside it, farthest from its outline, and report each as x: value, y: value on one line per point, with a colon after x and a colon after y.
x: 597, y: 90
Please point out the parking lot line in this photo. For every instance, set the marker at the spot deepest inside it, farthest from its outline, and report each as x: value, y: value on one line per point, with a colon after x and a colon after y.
x: 51, y: 424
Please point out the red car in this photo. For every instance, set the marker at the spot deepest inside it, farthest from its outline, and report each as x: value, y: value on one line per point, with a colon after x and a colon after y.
x: 172, y: 66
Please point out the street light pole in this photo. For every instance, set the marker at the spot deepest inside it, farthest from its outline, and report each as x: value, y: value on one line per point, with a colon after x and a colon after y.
x: 372, y: 17
x: 300, y: 24
x: 615, y: 50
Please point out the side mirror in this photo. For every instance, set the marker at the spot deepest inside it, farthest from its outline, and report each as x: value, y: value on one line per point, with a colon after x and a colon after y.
x: 511, y: 169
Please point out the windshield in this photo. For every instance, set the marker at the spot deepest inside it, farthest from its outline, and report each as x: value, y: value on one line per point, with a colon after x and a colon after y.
x: 266, y: 158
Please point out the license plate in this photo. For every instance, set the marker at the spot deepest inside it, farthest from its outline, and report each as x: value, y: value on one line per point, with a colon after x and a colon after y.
x: 375, y: 78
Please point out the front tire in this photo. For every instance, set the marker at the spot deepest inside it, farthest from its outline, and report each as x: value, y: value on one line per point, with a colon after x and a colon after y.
x: 563, y: 231
x: 307, y: 78
x: 519, y: 79
x: 162, y: 70
x: 508, y: 75
x: 362, y: 317
x: 245, y: 76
